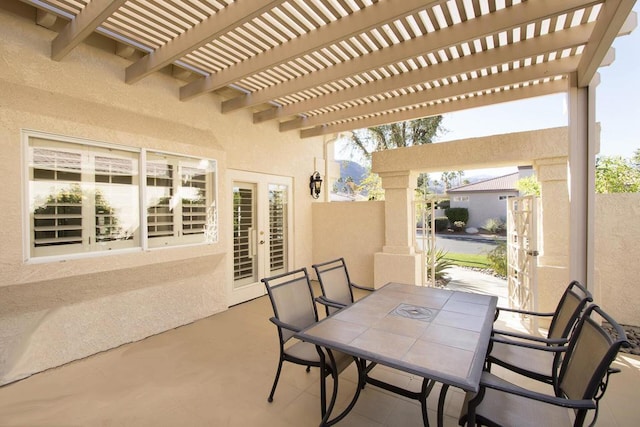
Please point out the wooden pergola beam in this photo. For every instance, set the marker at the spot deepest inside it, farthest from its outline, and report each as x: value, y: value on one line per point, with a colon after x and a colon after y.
x: 492, y: 23
x: 81, y: 27
x: 332, y: 33
x: 232, y: 16
x: 481, y: 84
x: 529, y: 48
x: 530, y: 91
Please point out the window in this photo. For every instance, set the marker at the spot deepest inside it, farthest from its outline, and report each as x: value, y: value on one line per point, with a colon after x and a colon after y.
x: 82, y: 198
x: 85, y: 198
x: 460, y: 198
x: 180, y: 203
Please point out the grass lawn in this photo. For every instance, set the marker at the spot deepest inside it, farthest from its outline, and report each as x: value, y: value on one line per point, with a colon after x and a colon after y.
x: 468, y: 260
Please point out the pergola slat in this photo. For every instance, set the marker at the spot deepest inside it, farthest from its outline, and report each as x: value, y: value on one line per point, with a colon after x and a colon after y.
x: 557, y: 86
x: 340, y: 30
x: 81, y: 27
x: 479, y: 28
x: 330, y: 64
x: 217, y: 25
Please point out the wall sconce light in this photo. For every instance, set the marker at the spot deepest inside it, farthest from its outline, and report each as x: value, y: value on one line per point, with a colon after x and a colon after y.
x: 315, y: 184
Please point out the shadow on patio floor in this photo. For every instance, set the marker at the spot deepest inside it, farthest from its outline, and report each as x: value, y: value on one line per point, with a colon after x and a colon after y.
x: 218, y: 372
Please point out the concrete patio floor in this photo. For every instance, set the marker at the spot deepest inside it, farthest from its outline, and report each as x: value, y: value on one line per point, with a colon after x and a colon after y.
x: 218, y: 372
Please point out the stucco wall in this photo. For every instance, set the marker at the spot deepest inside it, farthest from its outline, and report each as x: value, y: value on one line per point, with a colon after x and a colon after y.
x: 483, y: 206
x: 617, y: 255
x: 52, y: 313
x: 352, y: 230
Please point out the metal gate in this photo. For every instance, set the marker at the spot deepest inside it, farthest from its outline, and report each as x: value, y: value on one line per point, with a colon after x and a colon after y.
x: 522, y: 252
x: 425, y: 237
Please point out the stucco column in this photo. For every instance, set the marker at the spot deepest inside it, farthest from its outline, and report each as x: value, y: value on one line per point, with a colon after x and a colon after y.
x: 398, y: 261
x: 553, y: 262
x: 582, y: 152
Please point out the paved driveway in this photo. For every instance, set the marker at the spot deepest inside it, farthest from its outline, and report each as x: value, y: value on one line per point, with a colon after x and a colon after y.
x: 464, y: 279
x: 463, y: 244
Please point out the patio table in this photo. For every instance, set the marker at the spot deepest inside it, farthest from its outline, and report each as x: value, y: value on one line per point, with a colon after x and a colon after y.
x: 437, y: 334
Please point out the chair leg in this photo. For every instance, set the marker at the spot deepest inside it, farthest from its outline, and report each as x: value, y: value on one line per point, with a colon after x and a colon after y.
x: 275, y: 381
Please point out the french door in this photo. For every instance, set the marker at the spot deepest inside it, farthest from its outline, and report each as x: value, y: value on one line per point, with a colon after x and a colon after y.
x: 262, y: 231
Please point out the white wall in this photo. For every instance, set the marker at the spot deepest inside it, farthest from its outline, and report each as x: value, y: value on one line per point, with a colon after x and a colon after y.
x: 483, y: 206
x: 52, y: 313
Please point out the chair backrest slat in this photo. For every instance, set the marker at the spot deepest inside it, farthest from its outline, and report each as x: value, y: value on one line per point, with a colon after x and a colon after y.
x: 334, y: 281
x: 568, y: 311
x: 291, y: 297
x: 590, y: 353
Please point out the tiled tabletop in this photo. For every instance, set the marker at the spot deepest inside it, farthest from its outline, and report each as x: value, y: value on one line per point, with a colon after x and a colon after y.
x: 434, y: 333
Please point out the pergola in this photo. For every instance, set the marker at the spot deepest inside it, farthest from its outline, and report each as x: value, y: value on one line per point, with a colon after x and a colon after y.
x: 321, y: 67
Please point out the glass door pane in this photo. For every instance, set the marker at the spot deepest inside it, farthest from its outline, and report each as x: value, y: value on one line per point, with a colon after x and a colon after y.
x: 244, y: 229
x: 278, y: 228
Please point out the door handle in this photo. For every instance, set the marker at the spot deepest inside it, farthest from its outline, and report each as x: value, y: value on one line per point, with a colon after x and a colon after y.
x: 262, y: 242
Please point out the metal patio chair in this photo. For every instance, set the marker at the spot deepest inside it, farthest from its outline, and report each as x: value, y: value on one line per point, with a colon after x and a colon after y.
x: 337, y: 287
x: 536, y: 356
x: 294, y: 309
x: 582, y: 382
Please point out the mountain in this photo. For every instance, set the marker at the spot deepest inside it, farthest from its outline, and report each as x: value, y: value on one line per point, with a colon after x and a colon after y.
x: 353, y: 170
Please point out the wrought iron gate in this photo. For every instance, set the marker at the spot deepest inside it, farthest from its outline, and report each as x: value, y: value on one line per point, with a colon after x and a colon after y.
x: 522, y: 252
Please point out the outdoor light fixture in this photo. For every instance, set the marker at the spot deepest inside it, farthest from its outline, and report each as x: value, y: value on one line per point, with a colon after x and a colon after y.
x: 315, y: 184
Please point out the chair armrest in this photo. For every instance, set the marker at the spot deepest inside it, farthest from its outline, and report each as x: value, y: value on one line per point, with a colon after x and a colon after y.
x: 527, y: 344
x: 488, y: 380
x: 279, y: 323
x: 530, y: 313
x: 548, y: 341
x: 362, y: 288
x: 326, y: 301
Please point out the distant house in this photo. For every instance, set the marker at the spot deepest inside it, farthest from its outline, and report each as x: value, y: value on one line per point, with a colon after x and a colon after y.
x: 487, y: 199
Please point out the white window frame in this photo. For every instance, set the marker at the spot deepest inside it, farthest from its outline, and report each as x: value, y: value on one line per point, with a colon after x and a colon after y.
x: 178, y: 237
x: 209, y: 234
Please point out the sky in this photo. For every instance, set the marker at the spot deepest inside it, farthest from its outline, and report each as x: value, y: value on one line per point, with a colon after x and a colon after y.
x: 617, y: 109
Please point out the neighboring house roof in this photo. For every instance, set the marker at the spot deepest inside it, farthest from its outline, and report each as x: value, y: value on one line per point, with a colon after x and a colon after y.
x: 501, y: 183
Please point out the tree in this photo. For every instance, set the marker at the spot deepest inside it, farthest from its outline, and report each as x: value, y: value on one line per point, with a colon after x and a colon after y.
x: 394, y: 135
x: 528, y: 186
x: 422, y: 188
x: 614, y: 174
x: 372, y: 186
x: 364, y: 142
x: 448, y: 178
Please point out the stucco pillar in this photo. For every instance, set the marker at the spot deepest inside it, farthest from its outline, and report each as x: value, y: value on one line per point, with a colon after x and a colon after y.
x: 582, y: 151
x: 553, y: 262
x: 398, y: 260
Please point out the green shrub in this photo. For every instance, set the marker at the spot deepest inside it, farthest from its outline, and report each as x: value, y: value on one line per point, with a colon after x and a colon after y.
x: 444, y: 204
x: 441, y: 223
x: 495, y: 225
x: 457, y: 214
x: 459, y: 225
x: 498, y: 259
x: 442, y: 264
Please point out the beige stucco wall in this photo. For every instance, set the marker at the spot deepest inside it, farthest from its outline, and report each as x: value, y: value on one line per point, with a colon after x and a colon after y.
x: 512, y: 149
x: 52, y: 313
x: 545, y: 149
x: 352, y: 230
x: 617, y: 255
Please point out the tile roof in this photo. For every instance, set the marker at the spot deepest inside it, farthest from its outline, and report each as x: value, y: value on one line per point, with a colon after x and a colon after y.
x: 501, y: 183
